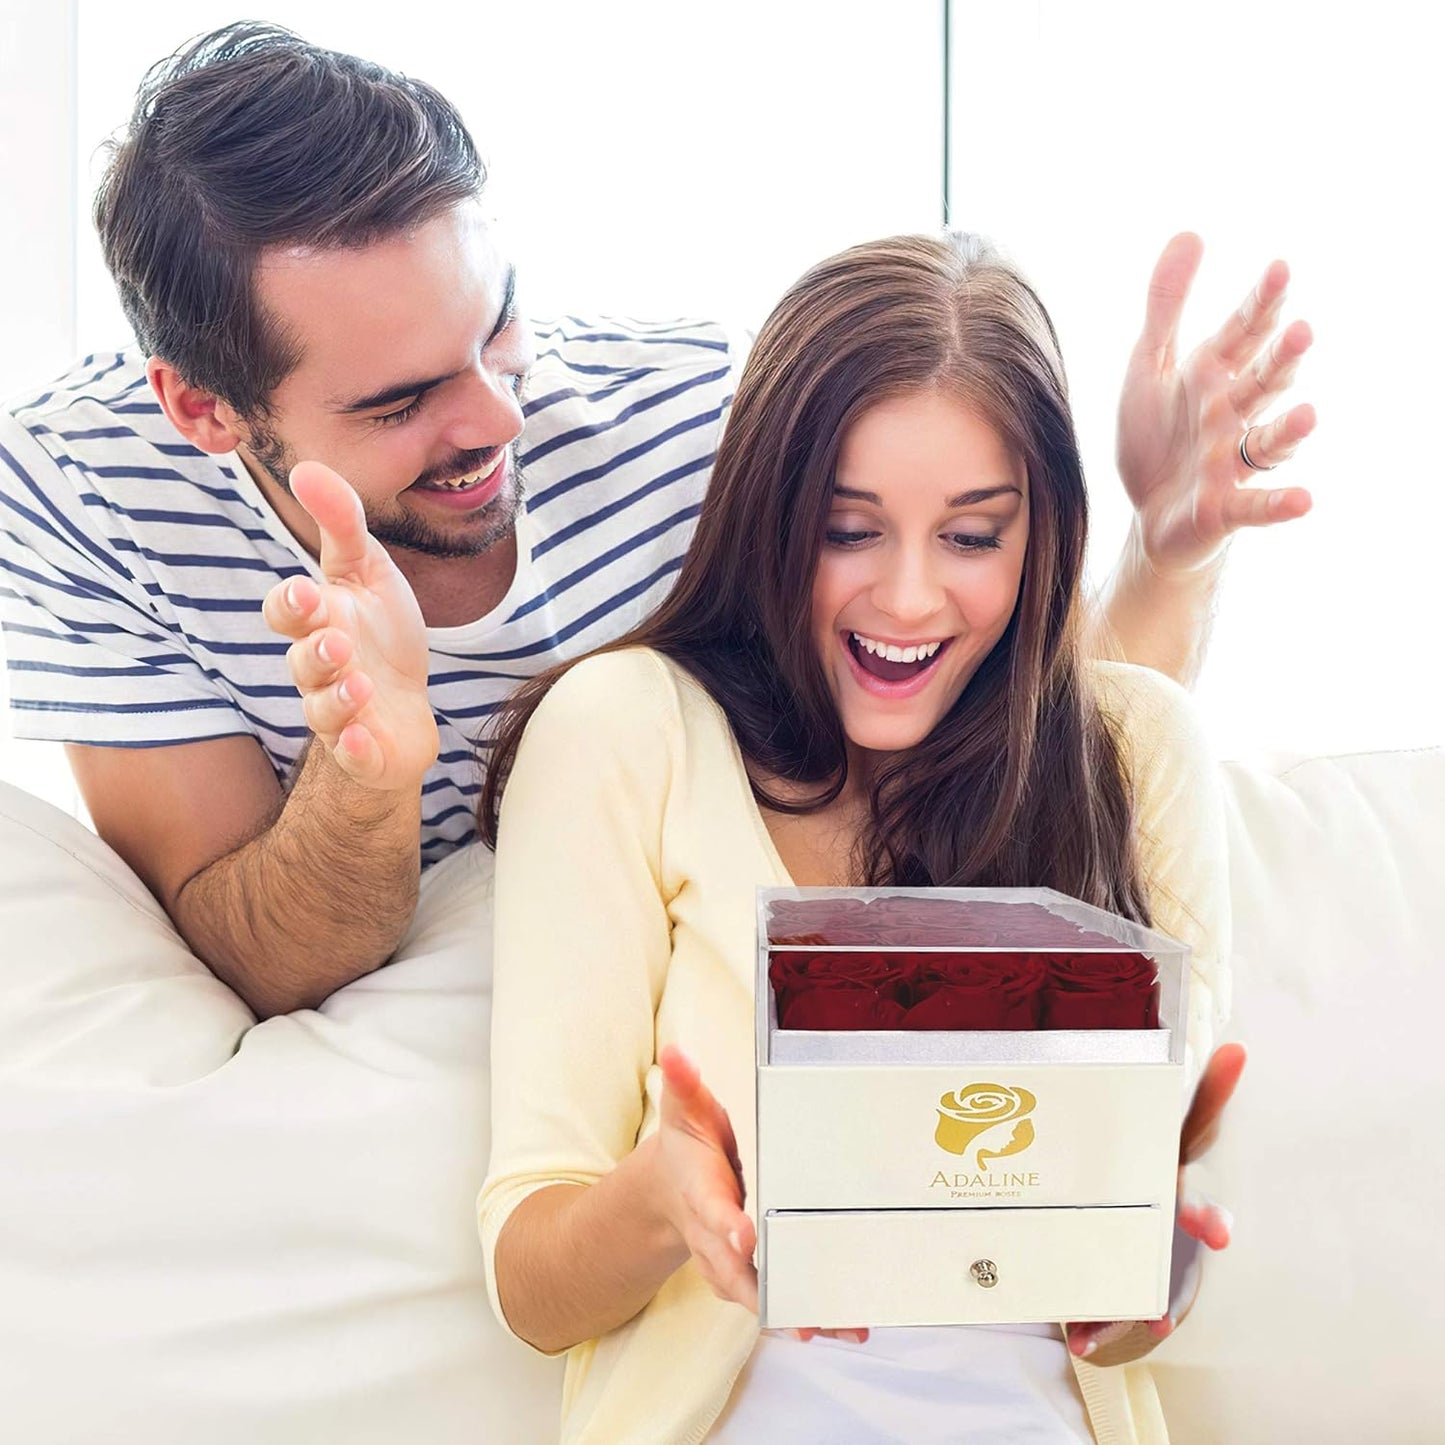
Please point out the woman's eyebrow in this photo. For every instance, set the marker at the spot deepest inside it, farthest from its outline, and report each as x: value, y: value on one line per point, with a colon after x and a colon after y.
x: 981, y: 494
x: 963, y: 499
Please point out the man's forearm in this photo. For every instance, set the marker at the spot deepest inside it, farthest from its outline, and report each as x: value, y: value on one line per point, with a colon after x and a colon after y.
x: 1154, y: 620
x: 318, y: 899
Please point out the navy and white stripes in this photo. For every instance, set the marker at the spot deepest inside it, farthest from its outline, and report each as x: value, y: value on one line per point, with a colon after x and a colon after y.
x: 132, y: 566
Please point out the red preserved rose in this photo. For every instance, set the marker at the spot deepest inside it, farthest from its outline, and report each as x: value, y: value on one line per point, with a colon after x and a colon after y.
x: 1101, y: 991
x: 977, y: 991
x: 836, y: 990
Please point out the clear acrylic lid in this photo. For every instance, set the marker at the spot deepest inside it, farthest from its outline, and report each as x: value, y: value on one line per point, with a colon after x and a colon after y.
x: 924, y: 921
x: 1031, y: 919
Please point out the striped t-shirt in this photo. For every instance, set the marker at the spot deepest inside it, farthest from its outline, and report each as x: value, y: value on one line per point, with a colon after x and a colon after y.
x: 133, y: 566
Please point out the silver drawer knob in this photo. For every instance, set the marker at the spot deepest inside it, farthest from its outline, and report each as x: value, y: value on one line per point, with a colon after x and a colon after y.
x: 985, y: 1271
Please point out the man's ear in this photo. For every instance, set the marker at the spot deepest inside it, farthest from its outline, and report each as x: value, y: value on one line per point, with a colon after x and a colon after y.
x: 200, y: 416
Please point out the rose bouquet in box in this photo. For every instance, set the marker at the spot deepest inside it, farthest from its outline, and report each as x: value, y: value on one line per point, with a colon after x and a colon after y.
x: 907, y: 962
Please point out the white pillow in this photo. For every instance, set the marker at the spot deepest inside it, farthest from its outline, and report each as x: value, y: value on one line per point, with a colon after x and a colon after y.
x: 222, y: 1231
x: 1324, y: 1319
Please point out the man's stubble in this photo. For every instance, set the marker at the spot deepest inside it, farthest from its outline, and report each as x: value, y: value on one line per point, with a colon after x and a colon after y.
x: 407, y: 531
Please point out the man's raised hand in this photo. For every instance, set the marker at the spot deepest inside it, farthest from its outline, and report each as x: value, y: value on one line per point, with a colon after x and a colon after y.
x: 359, y: 653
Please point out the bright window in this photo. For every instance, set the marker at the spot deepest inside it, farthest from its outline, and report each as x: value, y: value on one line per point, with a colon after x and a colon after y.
x: 1083, y: 136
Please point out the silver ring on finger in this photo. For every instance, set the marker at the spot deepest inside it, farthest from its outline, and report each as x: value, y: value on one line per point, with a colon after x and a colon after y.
x: 1245, y: 457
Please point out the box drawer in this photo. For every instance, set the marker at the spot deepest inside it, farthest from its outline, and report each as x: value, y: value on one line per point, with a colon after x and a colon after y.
x: 843, y: 1268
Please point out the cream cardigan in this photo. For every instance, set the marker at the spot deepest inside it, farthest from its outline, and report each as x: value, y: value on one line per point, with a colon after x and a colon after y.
x: 630, y: 852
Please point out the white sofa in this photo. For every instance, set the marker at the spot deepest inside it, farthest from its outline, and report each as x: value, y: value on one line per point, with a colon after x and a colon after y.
x: 1325, y: 1320
x: 222, y: 1231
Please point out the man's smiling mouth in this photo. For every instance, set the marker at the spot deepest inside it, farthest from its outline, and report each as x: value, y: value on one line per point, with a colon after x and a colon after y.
x: 471, y: 481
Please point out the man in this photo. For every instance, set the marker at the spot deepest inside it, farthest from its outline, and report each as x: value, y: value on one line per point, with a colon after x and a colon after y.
x: 298, y: 243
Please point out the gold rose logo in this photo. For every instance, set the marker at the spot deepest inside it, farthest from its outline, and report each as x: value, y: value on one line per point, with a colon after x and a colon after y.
x: 972, y: 1111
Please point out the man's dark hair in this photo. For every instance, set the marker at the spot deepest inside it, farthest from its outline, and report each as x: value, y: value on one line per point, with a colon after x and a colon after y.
x: 249, y: 138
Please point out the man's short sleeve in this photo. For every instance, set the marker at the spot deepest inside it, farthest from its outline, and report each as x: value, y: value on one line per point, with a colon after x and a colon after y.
x: 89, y: 655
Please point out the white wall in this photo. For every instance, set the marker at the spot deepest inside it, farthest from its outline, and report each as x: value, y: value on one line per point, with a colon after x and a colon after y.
x: 37, y: 259
x: 646, y: 157
x: 37, y: 189
x: 1273, y: 128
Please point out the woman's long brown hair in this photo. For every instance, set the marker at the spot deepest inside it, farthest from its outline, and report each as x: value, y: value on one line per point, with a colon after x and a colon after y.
x: 1021, y: 783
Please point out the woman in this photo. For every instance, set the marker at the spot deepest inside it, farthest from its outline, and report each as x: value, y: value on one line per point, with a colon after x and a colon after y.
x: 868, y: 672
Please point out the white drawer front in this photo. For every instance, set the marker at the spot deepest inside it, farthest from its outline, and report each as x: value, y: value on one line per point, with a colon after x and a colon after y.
x: 837, y: 1269
x: 875, y: 1136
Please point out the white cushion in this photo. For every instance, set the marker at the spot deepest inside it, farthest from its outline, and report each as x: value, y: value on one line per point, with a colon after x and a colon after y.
x: 216, y: 1230
x: 1324, y: 1320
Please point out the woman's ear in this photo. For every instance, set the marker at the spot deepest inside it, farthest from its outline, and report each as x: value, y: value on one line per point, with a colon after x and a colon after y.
x: 200, y: 416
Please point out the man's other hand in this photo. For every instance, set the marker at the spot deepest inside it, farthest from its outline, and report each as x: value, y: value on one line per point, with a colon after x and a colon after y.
x: 359, y: 653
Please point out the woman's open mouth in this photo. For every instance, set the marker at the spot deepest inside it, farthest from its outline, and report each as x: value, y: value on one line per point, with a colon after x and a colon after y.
x: 892, y: 669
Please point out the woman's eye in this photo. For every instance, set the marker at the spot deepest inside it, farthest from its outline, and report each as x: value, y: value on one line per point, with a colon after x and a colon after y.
x: 394, y: 418
x: 963, y: 541
x: 969, y: 542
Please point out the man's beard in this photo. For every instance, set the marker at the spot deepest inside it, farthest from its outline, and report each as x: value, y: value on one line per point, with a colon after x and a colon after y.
x: 492, y: 524
x: 407, y: 530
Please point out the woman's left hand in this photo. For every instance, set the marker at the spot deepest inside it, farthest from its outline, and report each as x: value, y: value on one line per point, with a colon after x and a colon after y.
x: 1198, y: 1220
x: 1180, y: 423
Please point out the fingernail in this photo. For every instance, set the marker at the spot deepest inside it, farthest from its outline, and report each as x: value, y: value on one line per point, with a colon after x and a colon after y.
x: 323, y: 651
x: 343, y: 691
x: 291, y: 596
x: 1089, y: 1349
x: 1227, y: 1220
x: 853, y: 1336
x: 736, y: 1243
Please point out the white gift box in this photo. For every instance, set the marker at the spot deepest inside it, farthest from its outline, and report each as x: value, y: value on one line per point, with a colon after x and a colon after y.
x: 907, y: 1177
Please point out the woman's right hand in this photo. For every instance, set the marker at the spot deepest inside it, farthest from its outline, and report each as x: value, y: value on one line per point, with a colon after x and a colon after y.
x: 703, y: 1188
